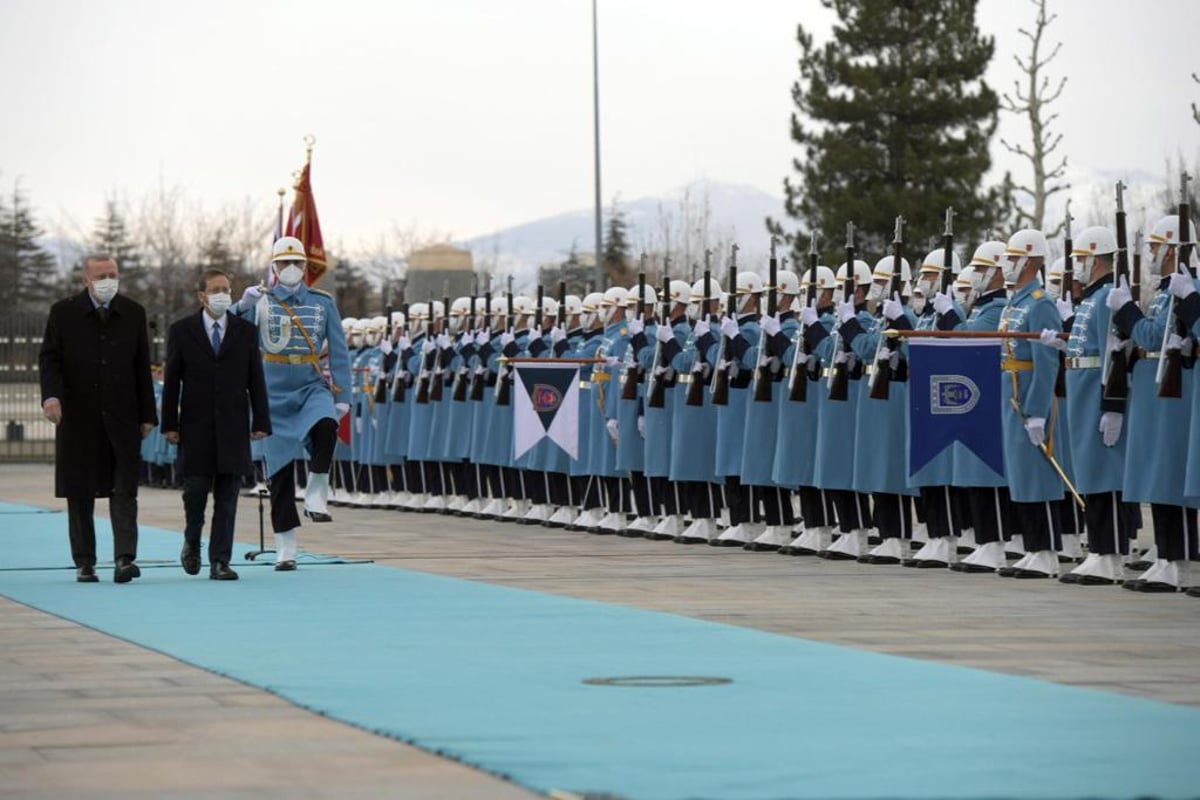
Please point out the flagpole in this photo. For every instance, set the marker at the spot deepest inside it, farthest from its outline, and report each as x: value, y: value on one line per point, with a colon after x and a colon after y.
x: 907, y: 334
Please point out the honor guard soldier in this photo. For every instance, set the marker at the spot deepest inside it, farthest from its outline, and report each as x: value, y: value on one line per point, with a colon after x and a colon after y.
x: 1030, y: 417
x: 606, y: 435
x: 295, y: 323
x: 586, y: 485
x: 572, y: 323
x: 1154, y: 422
x: 631, y: 413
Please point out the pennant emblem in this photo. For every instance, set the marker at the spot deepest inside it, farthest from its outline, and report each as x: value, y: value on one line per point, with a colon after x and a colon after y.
x: 546, y: 405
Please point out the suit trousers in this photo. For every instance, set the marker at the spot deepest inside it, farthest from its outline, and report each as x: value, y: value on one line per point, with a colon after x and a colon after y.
x: 224, y: 490
x: 122, y: 508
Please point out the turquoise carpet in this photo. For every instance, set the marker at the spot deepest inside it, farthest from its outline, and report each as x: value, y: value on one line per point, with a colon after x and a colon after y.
x: 493, y: 677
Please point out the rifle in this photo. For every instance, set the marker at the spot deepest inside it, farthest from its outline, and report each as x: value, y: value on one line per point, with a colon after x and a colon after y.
x: 629, y: 388
x: 437, y: 380
x: 762, y: 377
x: 1170, y: 363
x: 947, y: 254
x: 459, y: 393
x: 798, y: 384
x: 1114, y: 376
x: 381, y: 387
x: 426, y: 361
x: 695, y: 390
x: 656, y: 396
x: 503, y: 385
x: 398, y: 383
x: 1135, y: 288
x: 478, y: 381
x: 1068, y: 292
x: 880, y: 381
x: 537, y: 312
x: 839, y: 372
x: 720, y: 382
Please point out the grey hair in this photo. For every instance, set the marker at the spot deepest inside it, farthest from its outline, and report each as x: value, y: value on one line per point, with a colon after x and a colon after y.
x: 97, y: 255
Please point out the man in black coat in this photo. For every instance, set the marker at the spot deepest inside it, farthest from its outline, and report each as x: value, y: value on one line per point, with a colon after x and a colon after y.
x: 96, y: 388
x: 214, y: 356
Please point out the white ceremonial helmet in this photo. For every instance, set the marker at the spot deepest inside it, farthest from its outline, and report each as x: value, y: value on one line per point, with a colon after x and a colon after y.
x: 681, y: 292
x: 573, y: 306
x: 787, y: 283
x: 964, y: 285
x: 1023, y: 245
x: 523, y: 307
x: 348, y: 326
x: 590, y: 309
x: 1165, y: 232
x: 1054, y: 278
x: 614, y: 297
x: 698, y: 296
x: 862, y: 275
x: 749, y: 284
x: 288, y: 248
x: 882, y: 275
x: 549, y: 308
x: 418, y: 315
x: 826, y: 279
x: 397, y: 319
x: 1097, y: 240
x: 359, y: 331
x: 460, y: 309
x: 375, y: 330
x: 650, y: 299
x: 986, y: 261
x: 439, y: 309
x: 499, y: 310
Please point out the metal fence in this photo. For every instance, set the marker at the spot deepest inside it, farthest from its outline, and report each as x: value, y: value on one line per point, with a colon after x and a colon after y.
x: 26, y: 435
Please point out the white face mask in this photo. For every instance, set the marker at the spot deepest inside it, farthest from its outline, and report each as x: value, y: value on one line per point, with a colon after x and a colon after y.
x: 1012, y: 268
x: 1054, y: 289
x: 291, y: 275
x: 917, y: 304
x: 105, y: 289
x: 875, y: 293
x: 219, y: 303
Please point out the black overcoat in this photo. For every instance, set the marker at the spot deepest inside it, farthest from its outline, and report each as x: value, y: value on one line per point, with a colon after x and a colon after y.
x: 212, y: 399
x: 100, y: 372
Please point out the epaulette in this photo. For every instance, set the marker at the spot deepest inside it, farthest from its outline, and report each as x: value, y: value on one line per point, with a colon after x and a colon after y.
x: 1037, y: 294
x: 315, y: 290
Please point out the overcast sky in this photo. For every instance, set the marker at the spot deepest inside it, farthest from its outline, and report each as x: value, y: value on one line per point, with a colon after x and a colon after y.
x: 467, y: 116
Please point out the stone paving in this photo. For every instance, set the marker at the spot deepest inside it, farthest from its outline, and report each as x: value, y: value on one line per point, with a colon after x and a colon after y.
x: 122, y: 718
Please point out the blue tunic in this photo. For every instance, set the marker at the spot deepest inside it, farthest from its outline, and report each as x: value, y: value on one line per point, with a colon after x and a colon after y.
x: 793, y: 462
x: 1097, y: 468
x: 660, y: 421
x: 586, y: 347
x: 1156, y: 464
x: 298, y: 392
x: 761, y: 425
x: 631, y: 447
x: 498, y: 426
x: 420, y: 415
x: 834, y: 457
x: 1031, y: 479
x: 458, y: 435
x: 396, y: 444
x: 607, y: 390
x: 731, y: 417
x: 694, y: 435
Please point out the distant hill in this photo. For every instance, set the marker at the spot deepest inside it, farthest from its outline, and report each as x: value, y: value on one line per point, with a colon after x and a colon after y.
x: 734, y: 213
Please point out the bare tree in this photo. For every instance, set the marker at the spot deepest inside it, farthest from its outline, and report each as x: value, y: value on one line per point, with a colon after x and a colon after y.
x: 1195, y: 108
x: 1032, y: 101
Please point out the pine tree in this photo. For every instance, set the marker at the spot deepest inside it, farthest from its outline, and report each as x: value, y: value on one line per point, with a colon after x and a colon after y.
x: 28, y: 274
x: 111, y: 235
x: 893, y: 117
x: 616, y: 249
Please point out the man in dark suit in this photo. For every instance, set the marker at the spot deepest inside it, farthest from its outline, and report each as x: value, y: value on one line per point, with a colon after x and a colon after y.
x: 96, y: 389
x: 214, y: 356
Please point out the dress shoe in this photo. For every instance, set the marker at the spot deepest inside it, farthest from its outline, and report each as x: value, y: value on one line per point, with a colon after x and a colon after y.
x: 1095, y: 580
x: 189, y: 557
x: 126, y: 570
x: 926, y: 563
x: 86, y: 574
x: 1030, y: 573
x: 285, y: 566
x: 1132, y: 584
x: 1157, y: 587
x: 318, y: 516
x: 962, y: 566
x: 1193, y: 592
x: 1070, y: 577
x: 220, y: 571
x: 1007, y: 572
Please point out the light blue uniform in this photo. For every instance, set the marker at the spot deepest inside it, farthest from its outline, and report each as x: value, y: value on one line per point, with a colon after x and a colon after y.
x: 420, y: 415
x: 603, y: 455
x: 460, y: 415
x: 760, y: 440
x: 298, y: 393
x: 731, y: 417
x: 1031, y: 479
x: 694, y: 439
x: 660, y: 422
x: 631, y: 447
x: 798, y: 422
x: 396, y: 439
x: 834, y: 468
x: 590, y: 416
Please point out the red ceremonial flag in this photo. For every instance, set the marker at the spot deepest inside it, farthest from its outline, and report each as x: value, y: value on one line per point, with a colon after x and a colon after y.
x: 343, y: 434
x: 304, y: 225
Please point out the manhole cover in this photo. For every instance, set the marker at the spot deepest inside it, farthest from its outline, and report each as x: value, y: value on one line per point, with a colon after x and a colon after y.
x: 658, y: 681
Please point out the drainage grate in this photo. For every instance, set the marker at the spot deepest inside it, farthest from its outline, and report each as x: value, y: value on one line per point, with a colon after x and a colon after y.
x: 658, y: 681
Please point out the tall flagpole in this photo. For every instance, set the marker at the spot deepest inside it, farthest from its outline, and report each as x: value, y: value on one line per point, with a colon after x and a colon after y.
x: 600, y: 280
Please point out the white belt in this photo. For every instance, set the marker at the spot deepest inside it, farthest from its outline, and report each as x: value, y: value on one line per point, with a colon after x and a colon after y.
x: 1085, y: 362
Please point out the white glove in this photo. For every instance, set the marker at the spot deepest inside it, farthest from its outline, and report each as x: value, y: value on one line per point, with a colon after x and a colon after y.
x: 1036, y: 428
x: 701, y: 327
x: 385, y: 346
x: 1110, y: 427
x: 642, y: 426
x: 1049, y: 337
x: 770, y: 325
x: 1119, y: 296
x: 535, y: 334
x: 1182, y: 285
x: 663, y: 333
x: 404, y: 343
x: 809, y: 316
x: 358, y: 424
x: 942, y: 303
x: 893, y: 309
x: 1066, y: 309
x: 428, y: 346
x: 482, y: 337
x: 845, y: 312
x: 342, y: 409
x: 1174, y: 342
x: 636, y: 326
x: 250, y: 296
x: 506, y: 339
x: 613, y: 429
x: 557, y: 334
x: 729, y: 327
x: 443, y: 341
x: 612, y: 361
